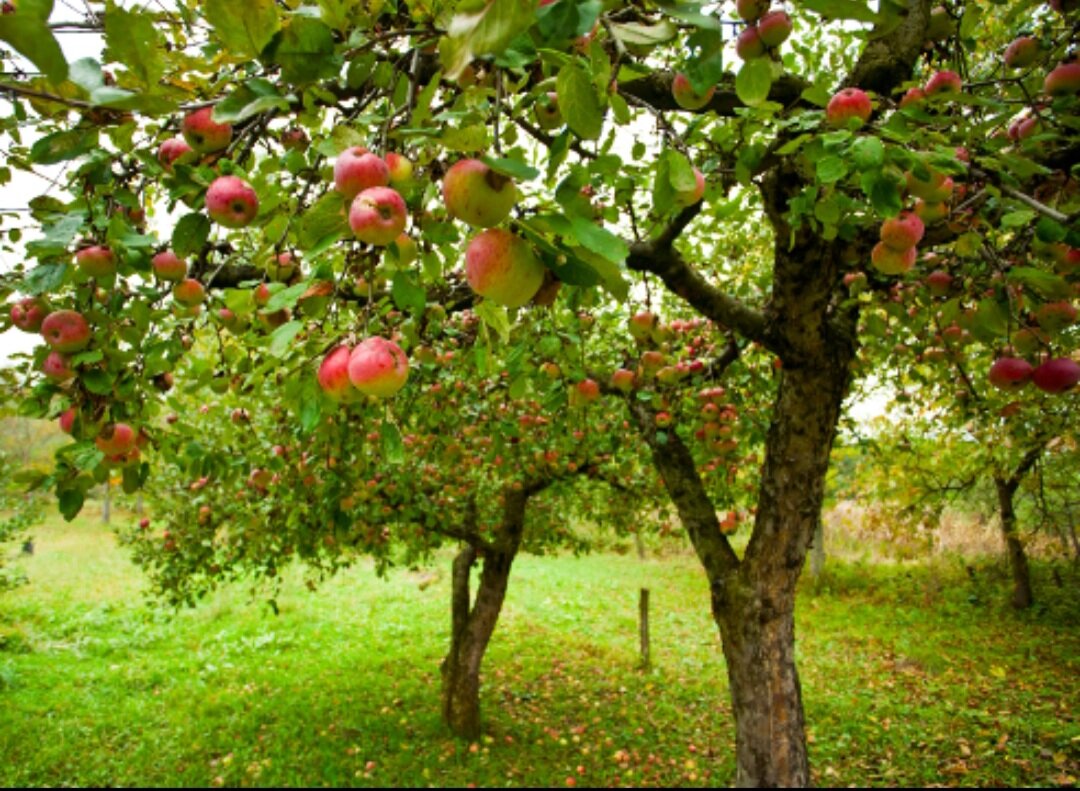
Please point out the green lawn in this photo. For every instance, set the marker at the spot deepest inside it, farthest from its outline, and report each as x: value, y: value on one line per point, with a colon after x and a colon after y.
x: 912, y: 675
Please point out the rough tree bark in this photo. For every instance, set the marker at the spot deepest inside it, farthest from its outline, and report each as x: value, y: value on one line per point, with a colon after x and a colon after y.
x: 1022, y: 593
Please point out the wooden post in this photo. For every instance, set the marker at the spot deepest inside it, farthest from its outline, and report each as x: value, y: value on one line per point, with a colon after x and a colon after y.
x: 643, y: 625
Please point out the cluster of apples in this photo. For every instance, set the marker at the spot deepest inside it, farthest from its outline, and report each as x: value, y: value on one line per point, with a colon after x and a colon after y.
x: 377, y: 367
x: 766, y: 30
x: 1062, y: 80
x: 1055, y: 376
x: 377, y: 214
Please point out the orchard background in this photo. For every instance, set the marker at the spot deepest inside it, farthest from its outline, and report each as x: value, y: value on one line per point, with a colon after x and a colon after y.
x: 327, y: 290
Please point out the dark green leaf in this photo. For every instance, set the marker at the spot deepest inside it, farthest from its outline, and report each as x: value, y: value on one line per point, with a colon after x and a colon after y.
x: 254, y: 97
x: 28, y: 33
x: 859, y: 10
x: 245, y: 28
x: 578, y: 101
x: 283, y: 336
x: 392, y: 446
x: 70, y: 502
x: 484, y: 28
x: 132, y: 39
x: 62, y: 146
x: 305, y: 51
x: 190, y: 234
x: 407, y: 295
x: 514, y: 168
x: 1046, y: 284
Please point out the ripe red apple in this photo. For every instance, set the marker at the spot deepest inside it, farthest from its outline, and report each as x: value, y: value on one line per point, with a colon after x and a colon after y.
x: 66, y: 331
x: 1063, y: 80
x: 1056, y: 376
x: 685, y: 95
x: 902, y: 232
x: 231, y: 202
x: 1022, y: 52
x: 892, y: 262
x: 203, y: 134
x: 477, y: 195
x: 116, y: 439
x: 690, y: 197
x: 1010, y: 373
x: 622, y: 379
x: 663, y: 419
x: 1023, y: 128
x: 939, y: 282
x: 171, y: 150
x: 27, y: 314
x: 936, y: 189
x: 1056, y: 316
x: 169, y: 266
x: 57, y: 368
x: 848, y: 104
x: 751, y: 10
x: 261, y: 295
x: 378, y: 215
x: 400, y: 169
x: 912, y: 97
x: 378, y: 367
x: 67, y: 420
x: 749, y: 44
x: 96, y: 261
x: 357, y: 169
x: 774, y: 28
x: 942, y: 82
x: 503, y: 267
x: 189, y: 292
x: 333, y: 374
x: 547, y: 112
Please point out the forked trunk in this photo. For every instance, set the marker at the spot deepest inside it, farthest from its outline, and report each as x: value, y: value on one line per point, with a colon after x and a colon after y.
x: 1022, y: 596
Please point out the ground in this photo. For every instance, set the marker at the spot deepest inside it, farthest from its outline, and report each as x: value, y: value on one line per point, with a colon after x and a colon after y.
x: 912, y: 674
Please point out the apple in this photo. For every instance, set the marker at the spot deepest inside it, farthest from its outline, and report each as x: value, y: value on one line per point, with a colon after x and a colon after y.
x: 282, y: 267
x: 550, y: 370
x: 1010, y: 373
x: 1056, y: 316
x: 1056, y: 376
x: 96, y: 261
x: 586, y: 391
x: 939, y: 282
x: 503, y: 268
x: 378, y: 367
x: 477, y: 195
x: 1022, y: 52
x: 751, y: 10
x: 911, y: 97
x: 189, y: 292
x: 547, y: 112
x: 892, y: 262
x: 931, y: 213
x: 57, y: 368
x: 116, y: 439
x: 400, y: 169
x: 622, y: 379
x: 690, y: 197
x: 27, y: 314
x: 231, y: 202
x: 203, y: 134
x: 774, y: 28
x: 261, y: 295
x: 169, y: 266
x: 749, y: 44
x: 357, y: 169
x: 294, y: 139
x: 333, y: 375
x: 942, y: 82
x: 406, y: 249
x: 67, y: 420
x: 902, y: 232
x: 171, y: 150
x: 1063, y: 80
x: 848, y: 104
x: 642, y: 325
x: 685, y: 95
x: 651, y: 362
x: 378, y: 215
x: 936, y: 189
x: 66, y: 331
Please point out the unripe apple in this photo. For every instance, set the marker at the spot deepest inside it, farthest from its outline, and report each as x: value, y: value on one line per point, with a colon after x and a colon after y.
x: 902, y: 232
x: 357, y: 169
x: 1063, y: 80
x: 27, y: 314
x: 622, y: 379
x: 642, y: 325
x: 690, y: 197
x: 1056, y: 376
x: 400, y: 169
x: 378, y: 215
x: 774, y: 28
x: 231, y: 202
x: 1022, y: 52
x: 912, y: 97
x: 203, y: 134
x: 189, y: 292
x: 931, y: 213
x: 171, y: 150
x: 57, y: 368
x: 96, y: 261
x: 67, y: 420
x: 66, y: 331
x: 892, y: 262
x: 751, y: 10
x: 550, y: 370
x: 281, y: 267
x: 651, y: 362
x: 749, y: 44
x: 685, y: 95
x: 1056, y: 316
x: 169, y: 266
x: 503, y: 267
x: 378, y: 367
x: 333, y: 375
x: 406, y: 249
x: 547, y: 112
x: 944, y: 82
x: 477, y: 195
x: 116, y: 439
x: 936, y: 189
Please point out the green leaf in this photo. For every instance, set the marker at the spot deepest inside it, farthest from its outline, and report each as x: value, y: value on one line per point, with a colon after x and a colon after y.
x: 884, y: 194
x: 514, y: 168
x: 494, y: 316
x: 245, y: 28
x: 57, y: 237
x: 599, y: 240
x: 44, y: 279
x: 991, y: 320
x: 28, y: 33
x: 283, y: 336
x: 190, y: 234
x: 407, y: 295
x: 324, y: 219
x: 305, y: 51
x: 637, y: 34
x: 62, y: 146
x: 97, y: 381
x: 1045, y: 284
x: 843, y: 9
x: 83, y: 456
x: 392, y: 446
x: 753, y: 81
x: 611, y: 276
x: 287, y: 297
x: 1018, y: 219
x: 254, y: 97
x: 867, y: 153
x: 557, y: 22
x: 132, y: 39
x: 485, y: 28
x: 70, y: 502
x: 831, y: 169
x: 578, y: 101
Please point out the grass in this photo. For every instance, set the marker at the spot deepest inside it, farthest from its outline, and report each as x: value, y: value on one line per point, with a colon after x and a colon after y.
x: 912, y: 674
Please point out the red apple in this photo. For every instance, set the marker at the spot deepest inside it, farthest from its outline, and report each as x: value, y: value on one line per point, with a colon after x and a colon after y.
x: 378, y: 215
x: 1022, y: 52
x: 1056, y: 376
x: 67, y: 420
x: 774, y: 28
x: 66, y: 331
x: 27, y: 314
x: 231, y: 202
x: 378, y: 367
x: 503, y: 268
x: 333, y: 374
x: 939, y: 282
x: 477, y: 195
x: 1063, y: 80
x: 400, y: 169
x: 751, y: 10
x: 622, y: 379
x: 357, y: 169
x: 294, y: 139
x: 1023, y: 128
x: 642, y: 325
x: 902, y: 232
x: 690, y: 197
x: 169, y: 266
x: 189, y: 292
x: 749, y: 44
x: 848, y: 104
x: 116, y: 439
x: 203, y: 134
x: 171, y: 150
x: 96, y: 261
x: 944, y: 82
x: 936, y: 189
x: 892, y: 262
x: 282, y: 267
x: 57, y: 368
x: 912, y: 97
x: 685, y: 95
x: 1010, y: 373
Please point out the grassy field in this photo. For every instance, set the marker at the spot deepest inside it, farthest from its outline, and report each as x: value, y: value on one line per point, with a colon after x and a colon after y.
x: 912, y: 675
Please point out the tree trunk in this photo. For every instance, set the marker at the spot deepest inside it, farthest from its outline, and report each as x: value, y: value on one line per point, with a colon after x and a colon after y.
x: 1022, y: 596
x: 106, y: 502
